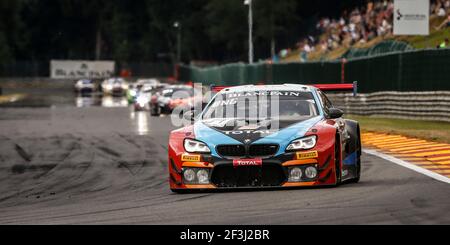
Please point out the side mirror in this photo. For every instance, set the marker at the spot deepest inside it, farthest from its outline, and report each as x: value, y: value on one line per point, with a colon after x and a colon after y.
x: 334, y: 113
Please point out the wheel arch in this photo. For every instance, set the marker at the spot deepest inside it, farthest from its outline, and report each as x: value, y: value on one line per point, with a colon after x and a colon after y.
x: 353, y: 129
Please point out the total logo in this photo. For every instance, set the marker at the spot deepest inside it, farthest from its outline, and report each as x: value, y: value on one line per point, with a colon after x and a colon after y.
x: 247, y: 162
x: 249, y: 132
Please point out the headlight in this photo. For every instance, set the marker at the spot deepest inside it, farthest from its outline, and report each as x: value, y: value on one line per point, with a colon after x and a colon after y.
x: 189, y: 175
x: 195, y: 146
x: 141, y: 100
x: 196, y: 176
x: 303, y: 143
x: 311, y: 172
x: 202, y: 176
x: 295, y: 174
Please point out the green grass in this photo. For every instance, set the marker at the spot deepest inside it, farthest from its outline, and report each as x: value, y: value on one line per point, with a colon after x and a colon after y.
x: 431, y: 41
x: 429, y: 130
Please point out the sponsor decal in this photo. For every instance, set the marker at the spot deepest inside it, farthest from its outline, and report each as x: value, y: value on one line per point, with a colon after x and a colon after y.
x: 265, y: 93
x: 249, y: 132
x: 190, y: 158
x: 307, y: 155
x: 247, y: 162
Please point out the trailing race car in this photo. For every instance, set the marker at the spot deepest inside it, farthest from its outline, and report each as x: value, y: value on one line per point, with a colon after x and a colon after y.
x: 85, y: 86
x: 114, y: 86
x: 142, y: 98
x: 165, y: 100
x: 142, y: 85
x: 302, y: 140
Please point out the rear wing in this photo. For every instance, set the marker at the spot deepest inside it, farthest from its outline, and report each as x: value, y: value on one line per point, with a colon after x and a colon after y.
x: 217, y: 89
x: 324, y: 87
x: 339, y: 87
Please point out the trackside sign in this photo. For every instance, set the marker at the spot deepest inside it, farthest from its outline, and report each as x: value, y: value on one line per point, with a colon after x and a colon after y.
x: 411, y: 17
x: 75, y: 69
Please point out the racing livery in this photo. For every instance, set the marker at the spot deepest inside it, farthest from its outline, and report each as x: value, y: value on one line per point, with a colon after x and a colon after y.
x: 302, y: 141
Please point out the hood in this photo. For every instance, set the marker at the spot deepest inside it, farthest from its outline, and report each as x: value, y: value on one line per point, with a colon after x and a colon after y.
x: 242, y: 131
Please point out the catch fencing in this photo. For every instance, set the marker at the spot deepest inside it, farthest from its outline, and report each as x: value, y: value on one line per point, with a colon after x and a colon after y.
x: 421, y: 70
x: 408, y: 84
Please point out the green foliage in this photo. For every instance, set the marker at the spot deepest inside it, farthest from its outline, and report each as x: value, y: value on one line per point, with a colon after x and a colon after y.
x: 10, y: 27
x: 274, y: 17
x: 143, y: 30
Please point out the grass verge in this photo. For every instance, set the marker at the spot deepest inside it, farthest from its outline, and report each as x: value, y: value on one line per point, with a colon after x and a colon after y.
x: 429, y: 130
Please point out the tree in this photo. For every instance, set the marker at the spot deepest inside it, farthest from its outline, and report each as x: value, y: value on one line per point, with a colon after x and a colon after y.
x: 226, y: 23
x: 10, y: 30
x: 142, y: 30
x: 274, y: 18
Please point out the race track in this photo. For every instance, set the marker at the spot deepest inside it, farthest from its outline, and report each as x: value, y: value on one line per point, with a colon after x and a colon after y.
x: 97, y: 165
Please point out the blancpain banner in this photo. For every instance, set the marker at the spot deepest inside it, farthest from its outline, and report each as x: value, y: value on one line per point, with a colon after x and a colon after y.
x: 75, y: 69
x: 411, y: 17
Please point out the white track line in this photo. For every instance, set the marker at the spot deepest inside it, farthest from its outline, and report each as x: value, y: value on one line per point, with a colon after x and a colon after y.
x: 411, y: 166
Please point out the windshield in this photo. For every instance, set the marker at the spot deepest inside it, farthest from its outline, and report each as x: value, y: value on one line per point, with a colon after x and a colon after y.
x: 114, y: 81
x: 282, y: 105
x: 178, y: 93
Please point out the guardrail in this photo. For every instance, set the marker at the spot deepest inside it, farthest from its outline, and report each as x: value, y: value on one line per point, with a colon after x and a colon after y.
x: 434, y: 105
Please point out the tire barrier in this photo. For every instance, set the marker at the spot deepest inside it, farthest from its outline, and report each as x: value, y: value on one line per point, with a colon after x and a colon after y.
x: 432, y: 106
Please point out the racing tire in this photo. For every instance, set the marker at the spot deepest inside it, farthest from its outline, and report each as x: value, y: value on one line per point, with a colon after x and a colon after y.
x: 181, y: 191
x: 155, y: 111
x: 358, y: 159
x: 337, y: 162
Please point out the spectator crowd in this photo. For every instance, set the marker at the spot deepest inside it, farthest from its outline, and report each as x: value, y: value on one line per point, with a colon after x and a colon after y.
x: 360, y: 25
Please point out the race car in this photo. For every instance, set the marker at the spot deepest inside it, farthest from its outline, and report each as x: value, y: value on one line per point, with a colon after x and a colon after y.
x: 301, y: 140
x: 165, y: 100
x: 142, y: 98
x: 139, y: 85
x: 114, y: 86
x: 84, y: 86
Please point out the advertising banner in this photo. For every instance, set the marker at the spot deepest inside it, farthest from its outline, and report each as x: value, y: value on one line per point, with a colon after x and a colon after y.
x: 75, y: 69
x: 411, y: 17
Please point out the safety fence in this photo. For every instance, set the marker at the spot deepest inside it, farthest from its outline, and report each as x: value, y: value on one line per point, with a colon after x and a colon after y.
x: 384, y: 47
x: 421, y: 70
x: 433, y: 106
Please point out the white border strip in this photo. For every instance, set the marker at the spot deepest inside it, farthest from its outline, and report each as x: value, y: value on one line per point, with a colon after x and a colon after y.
x: 411, y: 166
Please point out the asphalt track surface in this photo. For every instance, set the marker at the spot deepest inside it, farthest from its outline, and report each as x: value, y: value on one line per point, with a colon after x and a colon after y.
x: 96, y: 165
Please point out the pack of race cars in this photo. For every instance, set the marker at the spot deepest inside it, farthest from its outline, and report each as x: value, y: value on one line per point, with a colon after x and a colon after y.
x: 143, y: 94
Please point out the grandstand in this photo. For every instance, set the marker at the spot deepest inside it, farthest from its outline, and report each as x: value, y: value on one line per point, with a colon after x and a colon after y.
x: 368, y: 27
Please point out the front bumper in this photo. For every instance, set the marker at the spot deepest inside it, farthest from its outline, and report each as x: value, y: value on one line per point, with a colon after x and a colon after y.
x: 272, y: 173
x: 85, y: 89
